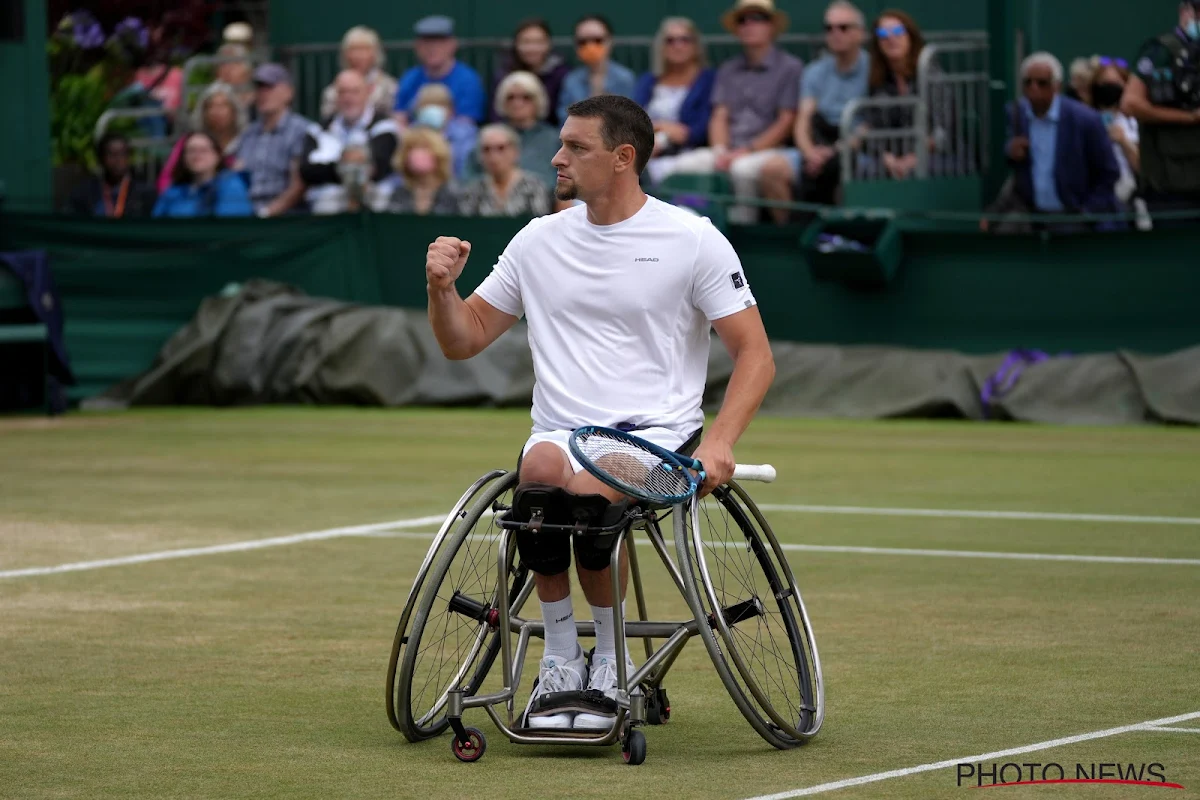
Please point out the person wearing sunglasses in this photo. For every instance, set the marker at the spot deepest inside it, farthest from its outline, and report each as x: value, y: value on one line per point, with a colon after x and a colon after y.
x: 598, y: 73
x: 504, y: 189
x: 1163, y: 95
x: 522, y: 105
x: 1059, y: 151
x: 812, y: 170
x: 754, y: 105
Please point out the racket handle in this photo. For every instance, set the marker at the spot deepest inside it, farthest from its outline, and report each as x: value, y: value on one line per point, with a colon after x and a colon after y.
x: 763, y: 473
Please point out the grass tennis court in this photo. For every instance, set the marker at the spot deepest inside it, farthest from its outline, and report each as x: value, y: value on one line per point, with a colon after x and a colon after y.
x: 261, y: 672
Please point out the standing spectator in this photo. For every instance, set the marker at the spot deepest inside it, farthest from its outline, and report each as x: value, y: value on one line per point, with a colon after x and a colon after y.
x: 532, y: 51
x: 676, y: 93
x: 113, y: 192
x: 434, y: 108
x: 423, y: 165
x: 895, y: 53
x: 1062, y: 159
x: 271, y: 147
x: 234, y: 69
x: 218, y: 114
x: 599, y: 73
x: 522, y: 104
x: 436, y: 49
x: 504, y: 190
x: 202, y: 187
x: 813, y: 170
x: 754, y: 104
x: 353, y: 152
x: 363, y: 52
x: 1106, y: 89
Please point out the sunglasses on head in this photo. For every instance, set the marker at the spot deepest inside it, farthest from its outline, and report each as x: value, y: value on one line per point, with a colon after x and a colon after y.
x: 894, y: 30
x: 582, y: 40
x: 754, y: 16
x: 1041, y: 83
x: 841, y: 27
x: 1109, y: 61
x: 678, y: 40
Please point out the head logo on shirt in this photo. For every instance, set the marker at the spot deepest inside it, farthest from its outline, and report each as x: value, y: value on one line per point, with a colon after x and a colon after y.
x: 738, y: 281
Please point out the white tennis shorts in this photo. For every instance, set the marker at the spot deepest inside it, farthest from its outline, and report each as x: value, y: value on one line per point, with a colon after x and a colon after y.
x: 663, y: 437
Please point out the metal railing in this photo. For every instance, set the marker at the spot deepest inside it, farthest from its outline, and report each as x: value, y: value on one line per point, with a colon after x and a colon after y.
x: 314, y: 66
x: 863, y: 147
x: 953, y: 79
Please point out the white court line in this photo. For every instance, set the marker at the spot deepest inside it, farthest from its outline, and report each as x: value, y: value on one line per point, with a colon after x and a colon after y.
x: 1029, y: 748
x: 231, y: 547
x: 1173, y: 730
x: 953, y: 513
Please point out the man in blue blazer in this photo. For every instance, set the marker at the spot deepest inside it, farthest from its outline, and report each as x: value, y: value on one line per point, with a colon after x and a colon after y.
x: 1059, y: 149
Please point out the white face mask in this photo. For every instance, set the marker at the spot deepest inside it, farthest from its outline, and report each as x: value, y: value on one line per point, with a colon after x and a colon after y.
x: 432, y: 116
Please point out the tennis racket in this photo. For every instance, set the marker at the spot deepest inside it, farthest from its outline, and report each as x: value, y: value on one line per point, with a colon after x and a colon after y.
x: 643, y: 470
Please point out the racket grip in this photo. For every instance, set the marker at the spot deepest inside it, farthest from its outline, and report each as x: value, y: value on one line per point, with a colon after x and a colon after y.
x: 763, y: 473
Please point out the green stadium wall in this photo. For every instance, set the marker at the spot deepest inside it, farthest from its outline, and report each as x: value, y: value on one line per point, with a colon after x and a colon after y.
x: 128, y: 285
x: 25, y: 114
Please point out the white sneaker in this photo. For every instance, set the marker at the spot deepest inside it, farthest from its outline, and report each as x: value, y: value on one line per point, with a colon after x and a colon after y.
x: 603, y: 679
x: 555, y: 675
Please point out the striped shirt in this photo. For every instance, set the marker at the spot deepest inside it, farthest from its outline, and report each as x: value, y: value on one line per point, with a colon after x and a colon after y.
x: 268, y: 155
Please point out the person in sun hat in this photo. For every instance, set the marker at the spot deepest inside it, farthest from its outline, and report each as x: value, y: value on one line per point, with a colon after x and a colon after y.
x: 755, y: 97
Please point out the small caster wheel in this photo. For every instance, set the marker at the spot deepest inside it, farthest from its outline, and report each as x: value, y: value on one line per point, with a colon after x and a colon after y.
x: 658, y: 707
x: 476, y: 745
x: 633, y: 749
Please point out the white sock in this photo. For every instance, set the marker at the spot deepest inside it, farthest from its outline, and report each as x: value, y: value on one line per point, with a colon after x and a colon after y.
x: 561, y: 638
x: 606, y: 641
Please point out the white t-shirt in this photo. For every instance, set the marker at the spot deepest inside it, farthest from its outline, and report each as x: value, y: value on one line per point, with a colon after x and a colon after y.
x: 619, y: 315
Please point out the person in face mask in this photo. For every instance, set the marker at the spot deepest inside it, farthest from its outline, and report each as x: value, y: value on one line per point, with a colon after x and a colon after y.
x: 1163, y: 95
x: 1106, y: 87
x: 598, y: 73
x: 434, y: 108
x: 423, y: 163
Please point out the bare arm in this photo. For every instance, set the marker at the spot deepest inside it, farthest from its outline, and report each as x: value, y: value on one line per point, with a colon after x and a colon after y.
x: 290, y: 196
x: 775, y: 135
x: 803, y: 133
x: 1136, y: 103
x: 753, y: 371
x: 463, y: 328
x: 718, y: 127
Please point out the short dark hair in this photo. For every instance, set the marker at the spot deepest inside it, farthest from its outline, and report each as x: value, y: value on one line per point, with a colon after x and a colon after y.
x: 622, y: 122
x: 106, y: 140
x: 594, y: 18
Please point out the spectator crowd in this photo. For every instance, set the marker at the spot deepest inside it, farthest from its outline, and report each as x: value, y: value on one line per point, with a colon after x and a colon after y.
x: 435, y: 140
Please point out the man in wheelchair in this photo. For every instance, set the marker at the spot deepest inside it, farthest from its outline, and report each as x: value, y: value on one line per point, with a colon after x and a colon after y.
x: 619, y: 295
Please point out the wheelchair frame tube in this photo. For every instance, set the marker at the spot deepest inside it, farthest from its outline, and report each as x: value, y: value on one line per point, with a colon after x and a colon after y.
x: 635, y: 574
x: 614, y: 572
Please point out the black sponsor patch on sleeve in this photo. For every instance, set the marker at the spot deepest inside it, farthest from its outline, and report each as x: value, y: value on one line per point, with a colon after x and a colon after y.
x: 738, y: 281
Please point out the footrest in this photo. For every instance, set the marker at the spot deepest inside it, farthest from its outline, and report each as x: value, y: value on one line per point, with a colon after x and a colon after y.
x: 588, y: 701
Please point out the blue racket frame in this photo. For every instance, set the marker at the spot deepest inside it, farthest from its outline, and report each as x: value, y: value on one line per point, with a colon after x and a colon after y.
x: 685, y: 464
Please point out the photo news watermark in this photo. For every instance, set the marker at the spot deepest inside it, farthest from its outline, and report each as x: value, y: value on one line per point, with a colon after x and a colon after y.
x: 981, y: 775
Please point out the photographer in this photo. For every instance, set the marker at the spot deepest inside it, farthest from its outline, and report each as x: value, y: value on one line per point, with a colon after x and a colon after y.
x: 1163, y: 95
x: 353, y: 152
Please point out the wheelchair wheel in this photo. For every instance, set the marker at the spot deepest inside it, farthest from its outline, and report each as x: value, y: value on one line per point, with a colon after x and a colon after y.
x: 752, y: 619
x: 452, y: 638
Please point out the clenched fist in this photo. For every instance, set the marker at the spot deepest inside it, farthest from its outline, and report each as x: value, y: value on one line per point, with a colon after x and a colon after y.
x: 445, y: 261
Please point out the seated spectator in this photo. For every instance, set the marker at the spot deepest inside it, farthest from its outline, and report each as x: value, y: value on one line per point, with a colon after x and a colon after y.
x: 754, y: 105
x: 895, y: 53
x: 436, y: 48
x: 676, y: 93
x: 235, y: 69
x: 533, y: 52
x: 219, y: 115
x: 424, y: 181
x: 202, y: 186
x: 434, y: 108
x: 504, y: 190
x: 1062, y: 159
x: 522, y: 104
x: 113, y: 192
x: 1106, y: 89
x: 599, y: 73
x: 363, y: 52
x: 812, y: 170
x: 343, y: 161
x: 271, y: 147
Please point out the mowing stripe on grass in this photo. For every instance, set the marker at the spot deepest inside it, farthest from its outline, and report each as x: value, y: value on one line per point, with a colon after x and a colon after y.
x: 217, y: 549
x: 1029, y: 748
x: 954, y: 513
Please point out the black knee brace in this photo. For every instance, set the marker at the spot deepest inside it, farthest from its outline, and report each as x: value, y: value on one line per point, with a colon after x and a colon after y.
x: 594, y: 551
x: 544, y: 552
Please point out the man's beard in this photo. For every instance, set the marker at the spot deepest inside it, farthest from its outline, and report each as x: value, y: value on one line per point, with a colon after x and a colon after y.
x: 568, y: 192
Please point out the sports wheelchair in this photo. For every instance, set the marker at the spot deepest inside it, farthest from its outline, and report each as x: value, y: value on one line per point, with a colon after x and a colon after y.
x: 467, y: 601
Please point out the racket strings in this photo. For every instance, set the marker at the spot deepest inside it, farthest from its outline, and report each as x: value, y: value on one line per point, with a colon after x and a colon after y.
x: 634, y: 466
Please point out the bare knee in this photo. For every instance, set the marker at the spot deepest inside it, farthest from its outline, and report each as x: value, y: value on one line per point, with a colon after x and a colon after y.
x: 776, y: 173
x: 545, y: 463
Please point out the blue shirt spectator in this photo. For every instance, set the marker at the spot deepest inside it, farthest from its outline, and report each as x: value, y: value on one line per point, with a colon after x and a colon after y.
x: 1043, y: 142
x: 577, y: 85
x: 223, y: 196
x: 696, y: 109
x: 436, y: 48
x: 593, y: 48
x: 833, y: 89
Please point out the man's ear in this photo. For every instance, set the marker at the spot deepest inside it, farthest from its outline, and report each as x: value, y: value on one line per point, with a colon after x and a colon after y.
x: 626, y: 157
